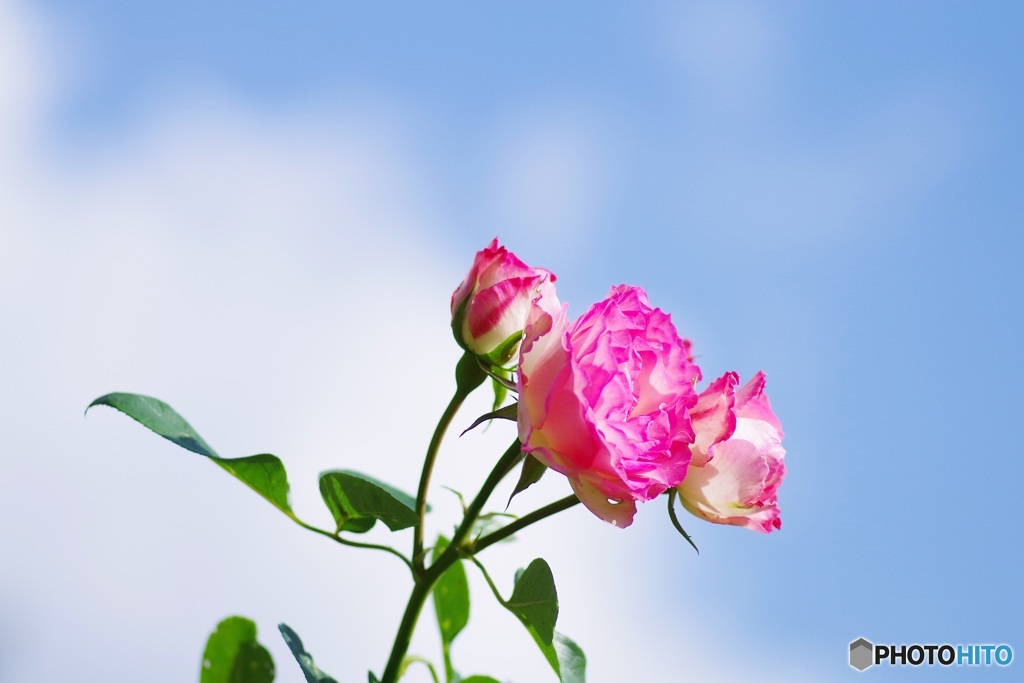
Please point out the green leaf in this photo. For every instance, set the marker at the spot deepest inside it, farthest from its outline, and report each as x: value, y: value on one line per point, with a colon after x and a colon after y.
x: 533, y: 470
x: 157, y: 416
x: 358, y: 501
x: 232, y: 655
x: 480, y: 679
x: 565, y: 657
x: 451, y: 604
x: 372, y: 678
x: 408, y: 661
x: 264, y: 474
x: 490, y: 522
x: 535, y: 601
x: 305, y: 660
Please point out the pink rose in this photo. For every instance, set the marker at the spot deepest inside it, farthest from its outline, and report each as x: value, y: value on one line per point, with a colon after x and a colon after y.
x: 737, y: 463
x: 490, y: 307
x: 606, y: 400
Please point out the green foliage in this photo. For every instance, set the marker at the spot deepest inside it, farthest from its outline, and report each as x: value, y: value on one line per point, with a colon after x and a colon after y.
x: 232, y: 655
x: 535, y: 601
x: 480, y: 679
x: 408, y: 661
x: 159, y: 417
x: 490, y: 522
x: 451, y: 604
x: 357, y: 501
x: 264, y: 474
x: 305, y: 660
x: 565, y: 657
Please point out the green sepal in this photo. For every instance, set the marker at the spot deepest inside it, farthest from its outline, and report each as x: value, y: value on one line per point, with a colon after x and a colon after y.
x: 500, y: 355
x: 675, y: 520
x: 468, y: 374
x: 500, y: 380
x: 265, y: 474
x: 457, y: 319
x: 233, y: 655
x: 310, y: 670
x: 533, y: 470
x: 357, y: 501
x: 480, y: 679
x: 509, y: 412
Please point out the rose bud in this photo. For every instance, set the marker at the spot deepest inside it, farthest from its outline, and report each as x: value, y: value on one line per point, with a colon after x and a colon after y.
x: 491, y: 306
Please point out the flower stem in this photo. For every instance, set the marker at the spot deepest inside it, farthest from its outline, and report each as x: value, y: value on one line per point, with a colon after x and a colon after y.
x: 523, y: 522
x: 502, y: 468
x: 356, y: 544
x: 403, y: 637
x: 468, y: 376
x: 428, y: 468
x: 425, y: 580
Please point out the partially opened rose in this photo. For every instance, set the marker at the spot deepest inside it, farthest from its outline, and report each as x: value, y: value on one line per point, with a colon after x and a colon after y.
x: 605, y: 400
x: 737, y: 464
x: 490, y: 307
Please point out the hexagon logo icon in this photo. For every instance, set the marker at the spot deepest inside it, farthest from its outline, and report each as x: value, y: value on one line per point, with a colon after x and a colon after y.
x: 862, y: 654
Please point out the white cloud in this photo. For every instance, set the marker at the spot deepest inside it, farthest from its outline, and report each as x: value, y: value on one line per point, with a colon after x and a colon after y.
x: 275, y: 279
x: 551, y: 175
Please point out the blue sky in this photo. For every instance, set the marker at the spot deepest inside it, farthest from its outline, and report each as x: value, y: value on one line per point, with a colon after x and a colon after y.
x: 251, y: 210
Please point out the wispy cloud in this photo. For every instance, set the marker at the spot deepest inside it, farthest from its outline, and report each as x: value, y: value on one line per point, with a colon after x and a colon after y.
x: 276, y: 279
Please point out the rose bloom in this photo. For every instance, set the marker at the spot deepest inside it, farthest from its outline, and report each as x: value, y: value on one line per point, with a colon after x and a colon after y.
x: 737, y: 463
x: 606, y: 400
x: 491, y: 306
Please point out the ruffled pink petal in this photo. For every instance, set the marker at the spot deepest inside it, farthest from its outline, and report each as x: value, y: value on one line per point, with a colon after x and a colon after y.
x: 714, y: 417
x: 752, y: 402
x: 739, y: 486
x: 619, y: 514
x: 608, y: 404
